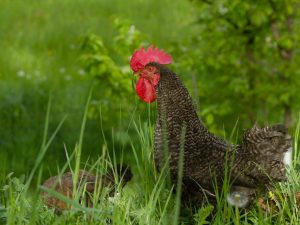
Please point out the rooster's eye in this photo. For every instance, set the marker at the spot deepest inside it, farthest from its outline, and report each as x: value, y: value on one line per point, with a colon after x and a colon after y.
x: 150, y: 69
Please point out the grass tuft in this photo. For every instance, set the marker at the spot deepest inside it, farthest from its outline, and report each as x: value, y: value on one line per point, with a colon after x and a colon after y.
x: 147, y: 199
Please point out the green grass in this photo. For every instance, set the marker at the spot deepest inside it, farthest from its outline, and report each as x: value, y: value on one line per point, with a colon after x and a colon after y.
x: 40, y: 54
x: 147, y: 199
x: 40, y: 51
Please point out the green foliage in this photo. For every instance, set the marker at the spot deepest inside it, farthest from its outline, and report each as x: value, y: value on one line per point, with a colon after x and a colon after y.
x: 239, y: 59
x: 145, y: 200
x: 202, y: 215
x: 110, y: 69
x: 247, y: 61
x: 2, y: 215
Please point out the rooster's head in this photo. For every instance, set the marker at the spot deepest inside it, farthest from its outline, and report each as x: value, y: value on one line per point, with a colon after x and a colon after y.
x: 148, y: 74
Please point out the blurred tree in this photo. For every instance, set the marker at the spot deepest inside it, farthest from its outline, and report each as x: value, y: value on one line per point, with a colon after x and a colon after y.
x: 239, y: 58
x: 246, y: 57
x: 114, y: 96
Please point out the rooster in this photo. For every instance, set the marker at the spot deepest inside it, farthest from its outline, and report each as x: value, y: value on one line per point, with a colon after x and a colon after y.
x: 260, y: 159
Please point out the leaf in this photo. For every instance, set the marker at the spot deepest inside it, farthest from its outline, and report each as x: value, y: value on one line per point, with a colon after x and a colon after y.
x: 202, y: 214
x: 209, y: 119
x: 286, y: 42
x: 258, y: 17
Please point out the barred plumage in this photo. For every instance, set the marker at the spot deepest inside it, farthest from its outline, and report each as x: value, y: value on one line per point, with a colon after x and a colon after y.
x: 257, y: 161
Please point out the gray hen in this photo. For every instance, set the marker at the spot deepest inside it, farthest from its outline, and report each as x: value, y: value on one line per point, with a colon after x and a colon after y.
x: 260, y: 159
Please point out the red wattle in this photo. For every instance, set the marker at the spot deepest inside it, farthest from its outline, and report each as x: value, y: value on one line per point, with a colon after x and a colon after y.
x: 155, y: 79
x: 145, y: 90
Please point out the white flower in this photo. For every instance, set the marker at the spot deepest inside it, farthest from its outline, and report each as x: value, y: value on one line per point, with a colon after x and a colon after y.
x: 62, y: 70
x: 68, y: 77
x: 81, y: 72
x: 21, y: 73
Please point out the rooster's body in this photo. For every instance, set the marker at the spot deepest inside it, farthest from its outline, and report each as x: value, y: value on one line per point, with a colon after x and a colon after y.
x: 259, y: 159
x: 207, y: 160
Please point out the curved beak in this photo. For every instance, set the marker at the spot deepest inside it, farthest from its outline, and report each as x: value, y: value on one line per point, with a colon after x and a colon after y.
x: 138, y: 73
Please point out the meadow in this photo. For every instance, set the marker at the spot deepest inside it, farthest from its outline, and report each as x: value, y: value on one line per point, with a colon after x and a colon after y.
x: 67, y: 99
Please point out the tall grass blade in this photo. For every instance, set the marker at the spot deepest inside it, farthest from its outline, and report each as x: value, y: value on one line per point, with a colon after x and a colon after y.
x: 296, y: 140
x: 179, y: 177
x: 72, y: 202
x: 45, y: 144
x: 78, y: 148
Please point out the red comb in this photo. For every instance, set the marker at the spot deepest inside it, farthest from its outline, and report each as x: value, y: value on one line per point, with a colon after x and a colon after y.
x: 142, y: 57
